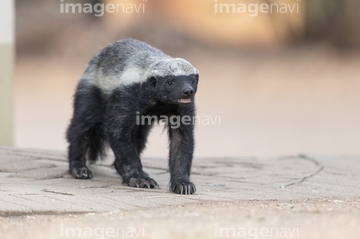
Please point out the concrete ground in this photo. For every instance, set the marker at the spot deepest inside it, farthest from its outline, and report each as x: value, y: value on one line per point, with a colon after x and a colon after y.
x: 303, y: 196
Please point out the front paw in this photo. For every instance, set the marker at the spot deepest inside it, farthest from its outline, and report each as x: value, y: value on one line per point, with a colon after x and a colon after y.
x: 141, y: 182
x: 183, y: 187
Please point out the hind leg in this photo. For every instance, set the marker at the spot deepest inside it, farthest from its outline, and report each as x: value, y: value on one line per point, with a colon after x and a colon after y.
x: 86, y: 115
x: 77, y: 151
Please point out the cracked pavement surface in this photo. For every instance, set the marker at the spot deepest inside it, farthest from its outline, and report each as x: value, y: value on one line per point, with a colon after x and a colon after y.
x: 304, y: 191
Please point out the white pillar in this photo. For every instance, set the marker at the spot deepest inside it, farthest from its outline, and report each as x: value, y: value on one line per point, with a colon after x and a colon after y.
x: 6, y: 71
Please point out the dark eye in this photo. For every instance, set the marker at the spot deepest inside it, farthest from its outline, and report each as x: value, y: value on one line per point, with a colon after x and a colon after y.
x: 169, y: 82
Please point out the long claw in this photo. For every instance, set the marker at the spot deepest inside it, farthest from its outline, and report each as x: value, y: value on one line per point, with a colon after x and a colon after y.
x: 185, y: 188
x: 145, y: 182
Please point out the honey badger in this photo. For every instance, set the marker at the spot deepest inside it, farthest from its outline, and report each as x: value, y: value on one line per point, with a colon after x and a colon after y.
x: 124, y: 80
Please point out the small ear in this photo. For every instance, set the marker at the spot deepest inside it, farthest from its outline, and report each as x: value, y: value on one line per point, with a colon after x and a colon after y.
x: 152, y: 81
x: 195, y: 78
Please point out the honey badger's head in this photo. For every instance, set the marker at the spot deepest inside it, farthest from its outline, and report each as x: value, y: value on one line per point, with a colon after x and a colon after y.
x: 173, y: 81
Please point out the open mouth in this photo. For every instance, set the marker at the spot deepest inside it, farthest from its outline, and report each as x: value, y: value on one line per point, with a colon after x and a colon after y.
x: 184, y: 101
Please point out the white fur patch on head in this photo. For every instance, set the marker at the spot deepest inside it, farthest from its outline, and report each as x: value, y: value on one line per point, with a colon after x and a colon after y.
x: 171, y: 67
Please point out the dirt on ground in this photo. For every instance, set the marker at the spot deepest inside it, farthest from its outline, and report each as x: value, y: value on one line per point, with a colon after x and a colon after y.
x: 320, y: 219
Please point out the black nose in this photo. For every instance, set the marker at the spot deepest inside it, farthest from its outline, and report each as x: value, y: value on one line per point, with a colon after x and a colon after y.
x: 188, y: 92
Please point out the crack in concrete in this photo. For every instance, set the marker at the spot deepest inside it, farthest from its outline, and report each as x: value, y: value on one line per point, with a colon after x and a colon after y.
x: 304, y: 157
x: 89, y: 187
x: 61, y: 193
x: 13, y: 213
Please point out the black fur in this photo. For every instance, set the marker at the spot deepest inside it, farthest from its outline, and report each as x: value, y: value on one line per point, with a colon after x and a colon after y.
x: 101, y: 118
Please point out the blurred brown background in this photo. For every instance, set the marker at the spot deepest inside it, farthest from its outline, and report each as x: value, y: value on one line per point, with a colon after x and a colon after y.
x: 281, y: 83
